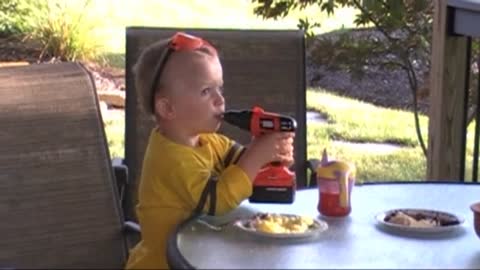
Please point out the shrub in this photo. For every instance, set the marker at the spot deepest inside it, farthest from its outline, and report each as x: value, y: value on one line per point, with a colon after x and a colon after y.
x: 12, y: 14
x: 64, y: 30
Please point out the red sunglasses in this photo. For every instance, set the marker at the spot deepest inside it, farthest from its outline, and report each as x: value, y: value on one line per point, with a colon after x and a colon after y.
x: 179, y: 42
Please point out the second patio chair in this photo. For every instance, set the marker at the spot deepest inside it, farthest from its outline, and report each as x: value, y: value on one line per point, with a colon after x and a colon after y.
x: 59, y: 202
x: 261, y: 67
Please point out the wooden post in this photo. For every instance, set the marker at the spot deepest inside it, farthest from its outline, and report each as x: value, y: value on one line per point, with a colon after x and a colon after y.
x: 447, y: 81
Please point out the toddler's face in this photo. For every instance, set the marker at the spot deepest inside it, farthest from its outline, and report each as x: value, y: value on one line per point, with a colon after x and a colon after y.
x: 197, y: 95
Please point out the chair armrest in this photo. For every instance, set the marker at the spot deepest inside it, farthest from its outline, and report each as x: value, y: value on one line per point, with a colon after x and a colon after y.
x: 120, y: 171
x: 312, y: 165
x: 130, y: 226
x: 117, y: 161
x: 132, y: 233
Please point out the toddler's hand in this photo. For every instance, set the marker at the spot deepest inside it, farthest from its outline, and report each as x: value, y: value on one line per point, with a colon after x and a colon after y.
x: 285, y: 148
x: 270, y: 147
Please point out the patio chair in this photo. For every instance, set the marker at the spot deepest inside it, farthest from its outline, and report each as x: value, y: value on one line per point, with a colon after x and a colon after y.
x: 261, y: 67
x: 59, y: 202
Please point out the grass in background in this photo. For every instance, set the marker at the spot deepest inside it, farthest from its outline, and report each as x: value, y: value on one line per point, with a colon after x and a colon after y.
x: 357, y: 121
x: 353, y: 120
x: 469, y: 152
x: 115, y: 132
x: 222, y: 14
x: 349, y: 120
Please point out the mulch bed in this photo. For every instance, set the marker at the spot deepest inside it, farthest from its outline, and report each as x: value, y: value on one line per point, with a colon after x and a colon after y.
x: 381, y: 87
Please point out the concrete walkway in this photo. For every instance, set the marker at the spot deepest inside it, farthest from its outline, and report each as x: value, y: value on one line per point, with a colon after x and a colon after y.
x: 315, y: 117
x: 379, y: 148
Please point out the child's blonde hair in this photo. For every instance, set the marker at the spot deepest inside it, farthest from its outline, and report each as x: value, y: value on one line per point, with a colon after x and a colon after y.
x: 145, y: 68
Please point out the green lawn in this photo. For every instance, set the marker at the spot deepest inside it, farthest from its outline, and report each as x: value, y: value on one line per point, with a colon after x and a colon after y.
x: 348, y: 120
x: 111, y: 17
x: 115, y: 131
x: 356, y: 121
x: 351, y: 120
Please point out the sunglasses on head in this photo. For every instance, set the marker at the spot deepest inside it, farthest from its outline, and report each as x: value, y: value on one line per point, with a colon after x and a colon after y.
x: 179, y: 42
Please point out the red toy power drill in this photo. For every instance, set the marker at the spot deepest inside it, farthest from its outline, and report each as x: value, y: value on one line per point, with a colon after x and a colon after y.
x: 275, y: 182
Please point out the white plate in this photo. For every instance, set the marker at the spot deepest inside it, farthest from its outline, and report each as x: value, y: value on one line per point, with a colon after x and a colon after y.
x: 314, y: 230
x: 452, y: 221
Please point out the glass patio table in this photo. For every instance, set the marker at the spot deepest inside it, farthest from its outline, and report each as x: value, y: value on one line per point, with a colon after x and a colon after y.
x: 356, y: 241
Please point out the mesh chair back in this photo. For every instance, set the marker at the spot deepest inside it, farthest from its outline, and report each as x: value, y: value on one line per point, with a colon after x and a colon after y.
x: 58, y: 201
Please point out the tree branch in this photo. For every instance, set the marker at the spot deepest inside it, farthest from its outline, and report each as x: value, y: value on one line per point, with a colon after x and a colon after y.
x: 375, y: 22
x: 412, y: 79
x: 384, y: 4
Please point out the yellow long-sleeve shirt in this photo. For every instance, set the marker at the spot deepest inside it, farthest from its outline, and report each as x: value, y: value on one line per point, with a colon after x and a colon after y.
x: 172, y: 180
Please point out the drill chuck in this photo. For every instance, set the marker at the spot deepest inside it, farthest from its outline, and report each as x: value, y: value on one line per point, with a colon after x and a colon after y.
x: 239, y: 119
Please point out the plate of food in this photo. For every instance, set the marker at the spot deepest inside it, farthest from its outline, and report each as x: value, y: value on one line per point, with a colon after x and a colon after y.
x: 419, y: 220
x: 281, y: 225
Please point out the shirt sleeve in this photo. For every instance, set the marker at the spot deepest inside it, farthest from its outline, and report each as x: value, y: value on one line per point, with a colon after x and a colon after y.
x: 232, y: 184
